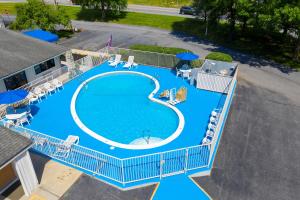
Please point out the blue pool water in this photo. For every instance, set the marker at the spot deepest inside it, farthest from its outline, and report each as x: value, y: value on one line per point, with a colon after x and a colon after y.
x: 117, y: 107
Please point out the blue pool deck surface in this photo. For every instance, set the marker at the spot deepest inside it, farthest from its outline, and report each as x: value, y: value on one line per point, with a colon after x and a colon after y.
x: 52, y: 116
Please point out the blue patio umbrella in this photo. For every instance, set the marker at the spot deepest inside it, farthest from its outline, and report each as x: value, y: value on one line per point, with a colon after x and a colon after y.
x: 12, y: 96
x: 187, y: 56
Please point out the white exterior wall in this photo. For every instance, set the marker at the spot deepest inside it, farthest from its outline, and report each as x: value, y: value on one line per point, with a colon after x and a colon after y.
x: 2, y: 86
x: 30, y: 73
x: 25, y: 171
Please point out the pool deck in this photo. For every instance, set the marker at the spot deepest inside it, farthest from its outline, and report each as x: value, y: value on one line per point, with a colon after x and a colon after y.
x: 52, y: 116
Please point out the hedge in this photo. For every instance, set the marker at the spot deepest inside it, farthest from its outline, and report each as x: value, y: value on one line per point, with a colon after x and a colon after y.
x: 158, y: 49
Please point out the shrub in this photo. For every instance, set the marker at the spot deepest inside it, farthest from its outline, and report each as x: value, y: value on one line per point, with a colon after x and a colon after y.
x: 219, y: 56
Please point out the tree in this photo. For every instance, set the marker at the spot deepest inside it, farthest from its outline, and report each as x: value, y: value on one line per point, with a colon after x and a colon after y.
x: 204, y: 7
x: 245, y: 8
x: 105, y: 6
x: 35, y: 14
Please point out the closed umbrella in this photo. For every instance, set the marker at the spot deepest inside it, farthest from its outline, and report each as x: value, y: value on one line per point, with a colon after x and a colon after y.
x: 13, y: 96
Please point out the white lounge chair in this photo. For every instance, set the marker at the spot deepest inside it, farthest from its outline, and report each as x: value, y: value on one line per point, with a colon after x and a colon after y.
x: 57, y: 84
x: 206, y: 140
x: 209, y: 133
x: 213, y: 120
x: 178, y: 72
x: 32, y: 98
x: 215, y: 113
x: 211, y: 126
x: 64, y: 148
x: 129, y: 63
x: 117, y: 61
x: 49, y: 88
x: 39, y: 92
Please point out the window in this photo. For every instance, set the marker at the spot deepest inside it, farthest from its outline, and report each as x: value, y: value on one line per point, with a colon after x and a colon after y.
x: 44, y: 66
x: 15, y: 81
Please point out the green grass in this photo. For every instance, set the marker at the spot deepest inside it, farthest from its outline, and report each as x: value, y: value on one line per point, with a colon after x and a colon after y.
x: 251, y: 41
x: 162, y: 3
x: 158, y: 49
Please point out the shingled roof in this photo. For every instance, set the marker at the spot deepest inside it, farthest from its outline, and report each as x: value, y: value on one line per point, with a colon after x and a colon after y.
x: 18, y: 52
x: 11, y: 144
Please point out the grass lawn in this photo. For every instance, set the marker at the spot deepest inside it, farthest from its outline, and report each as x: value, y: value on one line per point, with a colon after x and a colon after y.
x: 279, y: 51
x: 162, y: 3
x: 158, y: 49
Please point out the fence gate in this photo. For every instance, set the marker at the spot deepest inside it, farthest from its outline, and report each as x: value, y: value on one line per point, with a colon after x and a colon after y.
x: 173, y: 162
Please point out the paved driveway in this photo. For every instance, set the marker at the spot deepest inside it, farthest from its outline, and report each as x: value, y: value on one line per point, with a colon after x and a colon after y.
x: 89, y: 188
x: 258, y: 157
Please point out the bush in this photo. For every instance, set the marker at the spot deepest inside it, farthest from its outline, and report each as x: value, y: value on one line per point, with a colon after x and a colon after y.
x: 158, y: 49
x: 219, y: 56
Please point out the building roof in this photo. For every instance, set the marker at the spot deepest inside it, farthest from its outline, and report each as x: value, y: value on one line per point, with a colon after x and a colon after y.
x: 18, y: 51
x: 215, y: 67
x: 11, y: 144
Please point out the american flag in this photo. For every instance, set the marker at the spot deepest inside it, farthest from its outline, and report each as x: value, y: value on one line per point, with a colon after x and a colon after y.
x: 109, y: 42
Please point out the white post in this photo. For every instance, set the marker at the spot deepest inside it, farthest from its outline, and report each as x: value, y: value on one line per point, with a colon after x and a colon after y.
x: 186, y: 160
x: 161, y: 163
x: 25, y: 171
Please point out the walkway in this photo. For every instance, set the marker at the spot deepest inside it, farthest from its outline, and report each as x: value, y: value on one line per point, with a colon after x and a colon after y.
x: 179, y: 187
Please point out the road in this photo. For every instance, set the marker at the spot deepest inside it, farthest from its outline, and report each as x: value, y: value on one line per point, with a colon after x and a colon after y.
x: 130, y: 8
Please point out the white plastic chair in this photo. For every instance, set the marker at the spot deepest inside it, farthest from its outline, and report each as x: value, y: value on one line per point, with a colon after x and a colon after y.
x: 57, y: 84
x: 213, y: 120
x: 215, y: 113
x: 23, y: 120
x: 49, y: 88
x: 39, y: 92
x: 206, y: 140
x: 32, y: 98
x: 117, y: 61
x: 209, y: 133
x: 178, y: 72
x: 129, y: 63
x: 211, y: 126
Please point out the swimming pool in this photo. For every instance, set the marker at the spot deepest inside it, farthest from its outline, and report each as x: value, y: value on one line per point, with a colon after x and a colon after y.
x: 118, y: 108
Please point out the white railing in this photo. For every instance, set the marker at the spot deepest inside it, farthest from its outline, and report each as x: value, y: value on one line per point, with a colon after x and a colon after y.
x: 124, y: 170
x: 128, y: 170
x: 223, y: 114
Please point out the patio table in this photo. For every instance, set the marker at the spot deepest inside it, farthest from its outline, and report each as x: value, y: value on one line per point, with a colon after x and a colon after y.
x: 15, y: 116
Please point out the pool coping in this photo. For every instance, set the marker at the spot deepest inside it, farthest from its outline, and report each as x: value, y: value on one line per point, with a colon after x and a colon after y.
x: 181, y: 121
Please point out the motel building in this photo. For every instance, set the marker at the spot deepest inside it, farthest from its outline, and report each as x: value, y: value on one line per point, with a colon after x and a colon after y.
x: 15, y: 162
x: 24, y: 59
